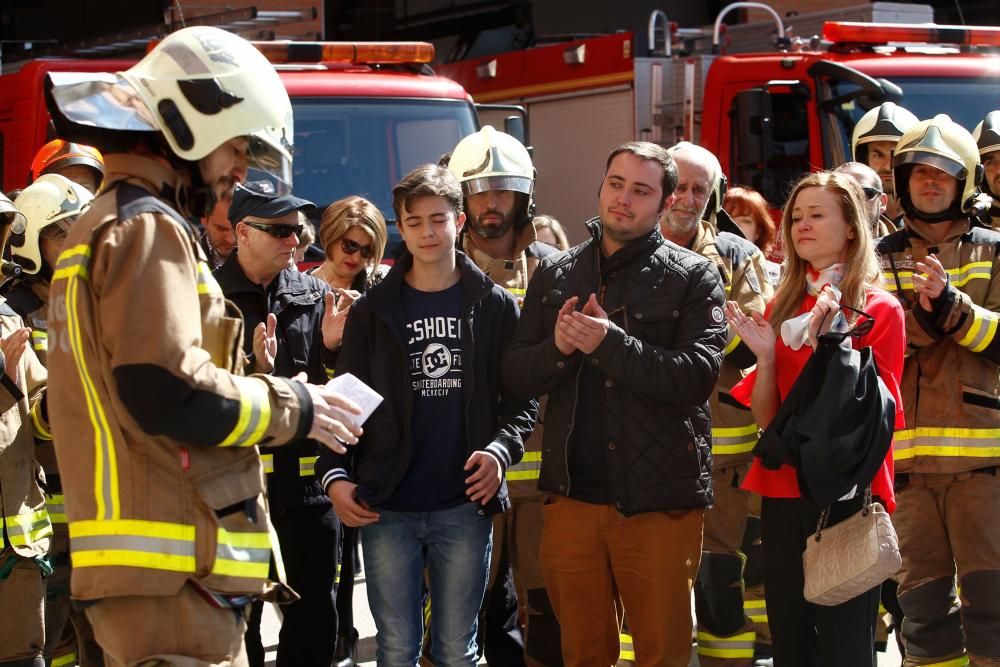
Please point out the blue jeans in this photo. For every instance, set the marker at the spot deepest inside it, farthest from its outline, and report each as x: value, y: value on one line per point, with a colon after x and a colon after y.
x: 454, y: 545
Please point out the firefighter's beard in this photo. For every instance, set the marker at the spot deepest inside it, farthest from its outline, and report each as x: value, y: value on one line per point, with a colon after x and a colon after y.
x: 497, y: 225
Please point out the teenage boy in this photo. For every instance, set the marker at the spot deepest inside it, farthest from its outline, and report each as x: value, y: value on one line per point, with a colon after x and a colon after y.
x: 429, y: 471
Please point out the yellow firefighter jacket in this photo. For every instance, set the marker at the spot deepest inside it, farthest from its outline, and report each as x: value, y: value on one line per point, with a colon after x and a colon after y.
x: 26, y: 524
x: 514, y: 275
x: 155, y: 433
x: 29, y: 299
x: 744, y: 276
x: 951, y: 380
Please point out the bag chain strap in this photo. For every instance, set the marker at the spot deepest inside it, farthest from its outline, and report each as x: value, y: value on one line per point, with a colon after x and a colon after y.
x: 824, y: 516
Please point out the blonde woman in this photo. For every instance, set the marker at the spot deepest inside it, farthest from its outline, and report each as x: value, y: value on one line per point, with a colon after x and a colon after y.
x: 829, y: 262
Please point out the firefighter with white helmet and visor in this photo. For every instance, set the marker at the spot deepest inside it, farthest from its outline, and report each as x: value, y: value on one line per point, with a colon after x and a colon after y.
x: 25, y: 526
x: 50, y: 205
x: 873, y: 143
x: 156, y: 430
x: 498, y: 178
x: 943, y: 267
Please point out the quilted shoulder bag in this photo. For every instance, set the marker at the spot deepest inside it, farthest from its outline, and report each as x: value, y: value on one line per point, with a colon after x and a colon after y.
x: 852, y: 557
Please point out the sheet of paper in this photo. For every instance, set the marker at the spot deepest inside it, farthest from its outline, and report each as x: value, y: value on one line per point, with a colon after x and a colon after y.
x: 356, y: 390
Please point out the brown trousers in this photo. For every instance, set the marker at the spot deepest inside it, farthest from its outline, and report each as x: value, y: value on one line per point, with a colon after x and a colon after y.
x: 180, y: 631
x: 22, y: 625
x: 947, y: 523
x: 725, y: 524
x: 592, y: 557
x: 69, y: 639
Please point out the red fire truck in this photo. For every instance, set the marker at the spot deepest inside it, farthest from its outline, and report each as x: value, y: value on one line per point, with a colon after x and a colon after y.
x: 769, y: 114
x: 364, y: 114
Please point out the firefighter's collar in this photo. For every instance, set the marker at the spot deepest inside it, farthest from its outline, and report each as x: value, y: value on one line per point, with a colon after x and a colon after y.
x: 150, y: 172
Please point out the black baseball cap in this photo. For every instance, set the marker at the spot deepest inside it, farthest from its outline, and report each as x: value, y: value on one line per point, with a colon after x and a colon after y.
x: 250, y: 202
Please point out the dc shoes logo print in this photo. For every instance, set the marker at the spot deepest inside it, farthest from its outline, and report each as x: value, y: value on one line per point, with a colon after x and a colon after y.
x: 436, y: 360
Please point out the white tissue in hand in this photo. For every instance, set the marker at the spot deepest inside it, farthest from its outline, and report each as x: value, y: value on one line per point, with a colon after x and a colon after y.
x: 367, y: 398
x: 795, y: 332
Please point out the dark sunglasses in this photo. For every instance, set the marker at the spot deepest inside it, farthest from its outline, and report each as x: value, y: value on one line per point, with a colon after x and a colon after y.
x: 871, y: 193
x: 350, y: 247
x: 277, y: 231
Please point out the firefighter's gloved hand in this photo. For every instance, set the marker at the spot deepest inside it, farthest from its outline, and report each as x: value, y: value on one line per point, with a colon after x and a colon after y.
x: 332, y: 412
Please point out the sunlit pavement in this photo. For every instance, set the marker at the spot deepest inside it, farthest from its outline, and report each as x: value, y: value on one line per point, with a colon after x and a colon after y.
x: 366, y: 628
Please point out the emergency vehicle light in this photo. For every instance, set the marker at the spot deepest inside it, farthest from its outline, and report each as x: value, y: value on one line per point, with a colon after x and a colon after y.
x: 913, y: 33
x: 352, y: 53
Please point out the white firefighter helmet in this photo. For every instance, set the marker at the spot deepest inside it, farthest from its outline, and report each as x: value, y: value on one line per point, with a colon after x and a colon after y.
x: 51, y: 201
x: 200, y: 87
x: 942, y: 143
x: 492, y: 160
x: 886, y: 122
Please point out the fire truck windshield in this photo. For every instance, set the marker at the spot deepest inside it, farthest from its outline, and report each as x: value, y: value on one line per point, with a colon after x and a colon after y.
x: 966, y: 100
x: 352, y: 146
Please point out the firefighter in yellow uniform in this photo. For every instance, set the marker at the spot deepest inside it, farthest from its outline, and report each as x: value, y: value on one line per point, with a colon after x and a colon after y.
x: 987, y: 136
x: 27, y: 531
x: 50, y: 205
x: 946, y: 272
x: 156, y: 433
x: 497, y: 179
x: 725, y: 633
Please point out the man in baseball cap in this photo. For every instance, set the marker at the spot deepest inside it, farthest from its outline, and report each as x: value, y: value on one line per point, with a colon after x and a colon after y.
x: 280, y: 304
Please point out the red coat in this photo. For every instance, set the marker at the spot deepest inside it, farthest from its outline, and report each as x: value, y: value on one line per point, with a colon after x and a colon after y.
x: 888, y: 342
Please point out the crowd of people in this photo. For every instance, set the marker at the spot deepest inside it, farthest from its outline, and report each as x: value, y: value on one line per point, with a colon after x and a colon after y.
x: 571, y: 443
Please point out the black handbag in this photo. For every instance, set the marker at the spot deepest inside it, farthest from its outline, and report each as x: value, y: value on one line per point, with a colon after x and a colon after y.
x: 836, y: 424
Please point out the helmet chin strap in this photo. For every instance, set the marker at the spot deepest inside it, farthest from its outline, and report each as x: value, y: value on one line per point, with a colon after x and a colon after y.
x: 199, y: 196
x: 953, y: 212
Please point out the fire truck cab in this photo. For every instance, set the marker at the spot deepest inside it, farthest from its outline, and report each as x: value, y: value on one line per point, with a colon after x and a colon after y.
x: 364, y: 115
x: 774, y: 110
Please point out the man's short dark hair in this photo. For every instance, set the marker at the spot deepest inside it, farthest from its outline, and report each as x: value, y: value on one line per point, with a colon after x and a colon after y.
x: 646, y: 150
x: 427, y: 180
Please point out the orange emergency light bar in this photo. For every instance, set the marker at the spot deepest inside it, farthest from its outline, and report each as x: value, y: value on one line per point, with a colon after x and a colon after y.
x: 351, y: 53
x: 912, y: 33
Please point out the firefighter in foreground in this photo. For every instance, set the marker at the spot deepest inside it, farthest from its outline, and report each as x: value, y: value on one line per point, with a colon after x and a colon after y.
x: 943, y: 269
x: 725, y: 633
x: 987, y: 136
x: 24, y: 520
x: 497, y: 180
x: 155, y: 431
x: 50, y: 206
x: 873, y: 142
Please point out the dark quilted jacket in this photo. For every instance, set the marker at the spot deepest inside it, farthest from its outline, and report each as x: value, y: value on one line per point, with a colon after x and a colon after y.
x: 660, y: 361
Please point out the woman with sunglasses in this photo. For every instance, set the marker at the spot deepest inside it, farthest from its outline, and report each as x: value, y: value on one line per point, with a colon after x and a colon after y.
x: 353, y: 235
x: 829, y: 263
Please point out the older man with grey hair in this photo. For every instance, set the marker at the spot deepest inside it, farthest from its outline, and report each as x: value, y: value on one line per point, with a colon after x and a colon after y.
x: 725, y: 633
x: 876, y: 200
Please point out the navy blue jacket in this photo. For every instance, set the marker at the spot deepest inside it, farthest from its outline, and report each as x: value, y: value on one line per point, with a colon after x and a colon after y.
x: 296, y: 299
